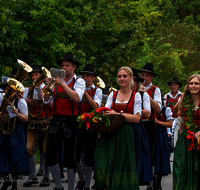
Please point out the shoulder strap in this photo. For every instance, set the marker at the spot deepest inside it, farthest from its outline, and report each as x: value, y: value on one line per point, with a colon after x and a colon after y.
x: 54, y: 106
x: 167, y: 100
x: 142, y: 94
x: 152, y: 94
x: 114, y: 99
x: 94, y: 93
x: 79, y: 105
x: 16, y: 103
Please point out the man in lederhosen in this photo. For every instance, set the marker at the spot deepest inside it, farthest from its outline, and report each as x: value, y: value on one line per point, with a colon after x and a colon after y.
x: 147, y: 73
x: 37, y: 129
x: 66, y: 95
x: 91, y: 101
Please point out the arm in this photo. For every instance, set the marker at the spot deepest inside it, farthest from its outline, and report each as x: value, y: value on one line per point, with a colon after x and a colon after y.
x: 156, y: 102
x: 22, y: 117
x: 155, y: 106
x: 181, y: 127
x: 91, y: 102
x: 167, y: 124
x: 145, y: 114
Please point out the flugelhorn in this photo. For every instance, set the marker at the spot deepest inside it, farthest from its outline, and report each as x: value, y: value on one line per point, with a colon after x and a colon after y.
x: 15, y: 86
x: 36, y: 83
x: 49, y: 88
x: 99, y: 82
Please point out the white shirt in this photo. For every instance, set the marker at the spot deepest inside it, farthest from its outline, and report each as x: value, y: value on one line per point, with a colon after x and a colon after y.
x: 98, y: 94
x: 136, y: 107
x: 170, y: 95
x: 79, y: 87
x: 146, y: 102
x: 168, y: 113
x: 22, y: 106
x: 157, y: 95
x: 25, y: 95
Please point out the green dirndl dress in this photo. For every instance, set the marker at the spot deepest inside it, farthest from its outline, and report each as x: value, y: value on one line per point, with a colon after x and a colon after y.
x: 115, y: 160
x: 186, y: 167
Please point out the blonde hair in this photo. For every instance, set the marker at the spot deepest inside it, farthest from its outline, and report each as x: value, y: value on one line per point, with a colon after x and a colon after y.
x: 186, y: 91
x: 129, y: 72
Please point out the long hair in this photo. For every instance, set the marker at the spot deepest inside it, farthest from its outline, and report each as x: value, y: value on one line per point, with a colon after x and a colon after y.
x: 129, y: 72
x: 186, y: 92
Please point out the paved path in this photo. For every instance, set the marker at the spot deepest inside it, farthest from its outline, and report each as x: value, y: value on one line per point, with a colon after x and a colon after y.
x: 166, y: 183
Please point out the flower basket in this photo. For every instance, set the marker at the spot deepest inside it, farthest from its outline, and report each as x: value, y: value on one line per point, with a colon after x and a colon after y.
x: 116, y: 121
x: 98, y: 122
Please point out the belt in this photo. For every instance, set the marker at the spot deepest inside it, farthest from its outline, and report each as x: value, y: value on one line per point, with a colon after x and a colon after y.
x: 145, y: 120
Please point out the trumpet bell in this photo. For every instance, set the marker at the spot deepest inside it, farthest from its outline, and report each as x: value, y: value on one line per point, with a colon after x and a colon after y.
x: 112, y: 89
x: 99, y: 82
x: 46, y: 72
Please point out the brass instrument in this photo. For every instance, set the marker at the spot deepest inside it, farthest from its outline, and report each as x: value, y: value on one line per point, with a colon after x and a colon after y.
x: 23, y: 70
x: 16, y: 86
x: 36, y: 83
x: 112, y: 89
x: 99, y: 82
x: 49, y: 88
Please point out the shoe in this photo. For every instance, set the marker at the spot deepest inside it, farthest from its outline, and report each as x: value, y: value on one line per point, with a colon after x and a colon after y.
x: 86, y: 188
x: 64, y: 169
x: 45, y: 183
x: 58, y: 189
x: 5, y: 185
x: 14, y: 188
x: 66, y: 180
x: 80, y: 185
x: 94, y: 186
x: 158, y: 187
x: 40, y: 172
x: 30, y: 182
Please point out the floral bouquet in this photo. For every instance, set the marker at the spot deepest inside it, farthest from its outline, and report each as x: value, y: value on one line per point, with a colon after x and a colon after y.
x: 98, y: 122
x: 188, y: 114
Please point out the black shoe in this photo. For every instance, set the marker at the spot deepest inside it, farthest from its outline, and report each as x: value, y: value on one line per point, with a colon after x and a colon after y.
x: 45, y: 183
x: 158, y: 187
x: 94, y: 186
x: 6, y: 184
x: 30, y: 182
x: 80, y: 185
x: 20, y: 177
x: 40, y: 172
x: 66, y: 180
x: 86, y: 188
x: 58, y: 189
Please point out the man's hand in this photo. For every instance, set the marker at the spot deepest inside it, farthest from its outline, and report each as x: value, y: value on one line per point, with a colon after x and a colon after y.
x: 143, y: 88
x: 58, y: 80
x: 15, y: 111
x: 40, y: 95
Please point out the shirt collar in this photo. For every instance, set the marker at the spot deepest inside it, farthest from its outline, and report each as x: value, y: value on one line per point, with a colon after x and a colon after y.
x: 70, y: 80
x: 148, y: 86
x: 90, y: 87
x: 170, y: 94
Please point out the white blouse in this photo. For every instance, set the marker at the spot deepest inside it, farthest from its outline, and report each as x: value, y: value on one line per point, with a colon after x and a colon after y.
x: 136, y: 107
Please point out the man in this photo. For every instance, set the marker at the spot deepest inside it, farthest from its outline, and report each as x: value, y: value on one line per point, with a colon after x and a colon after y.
x: 66, y: 95
x: 147, y: 73
x: 38, y: 125
x: 91, y: 101
x: 173, y: 96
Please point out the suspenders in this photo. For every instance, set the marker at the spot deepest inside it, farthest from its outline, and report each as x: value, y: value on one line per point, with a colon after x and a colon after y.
x: 152, y: 95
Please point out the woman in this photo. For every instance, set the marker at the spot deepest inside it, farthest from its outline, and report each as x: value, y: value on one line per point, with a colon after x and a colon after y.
x: 144, y: 166
x: 186, y: 167
x: 13, y: 152
x: 115, y: 161
x: 163, y: 121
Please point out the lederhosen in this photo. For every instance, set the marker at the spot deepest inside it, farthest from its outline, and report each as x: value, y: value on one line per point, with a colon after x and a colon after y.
x: 87, y: 138
x: 170, y: 102
x: 37, y: 129
x: 150, y: 124
x: 161, y: 146
x: 63, y: 127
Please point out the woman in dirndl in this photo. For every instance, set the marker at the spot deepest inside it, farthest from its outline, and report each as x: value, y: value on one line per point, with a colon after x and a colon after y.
x: 143, y: 155
x: 186, y: 167
x: 13, y: 151
x: 115, y: 159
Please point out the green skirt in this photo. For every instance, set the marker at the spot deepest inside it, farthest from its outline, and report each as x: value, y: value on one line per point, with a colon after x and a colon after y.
x: 115, y: 160
x: 186, y: 167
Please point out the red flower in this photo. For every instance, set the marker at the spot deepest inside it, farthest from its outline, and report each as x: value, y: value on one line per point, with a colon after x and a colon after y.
x: 183, y: 109
x: 186, y: 119
x: 186, y: 109
x: 183, y: 114
x: 102, y: 109
x: 190, y: 101
x: 186, y: 128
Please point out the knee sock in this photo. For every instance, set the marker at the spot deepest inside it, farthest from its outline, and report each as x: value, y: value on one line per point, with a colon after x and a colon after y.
x: 55, y: 172
x: 41, y: 162
x: 71, y: 175
x: 80, y: 171
x: 88, y: 176
x: 46, y: 170
x: 32, y: 164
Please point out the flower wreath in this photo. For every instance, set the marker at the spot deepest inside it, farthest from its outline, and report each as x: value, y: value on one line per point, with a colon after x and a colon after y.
x: 95, y: 116
x: 188, y: 115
